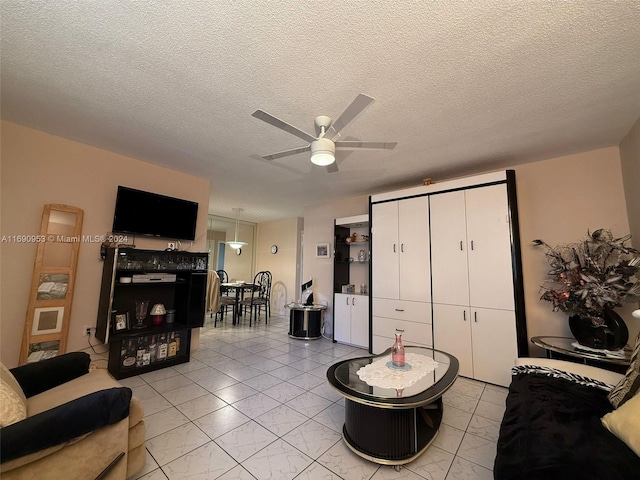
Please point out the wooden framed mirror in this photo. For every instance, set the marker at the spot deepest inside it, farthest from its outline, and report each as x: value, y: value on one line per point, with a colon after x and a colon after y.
x: 47, y: 323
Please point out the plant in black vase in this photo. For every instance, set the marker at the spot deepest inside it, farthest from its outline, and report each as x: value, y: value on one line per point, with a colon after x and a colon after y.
x: 587, y: 280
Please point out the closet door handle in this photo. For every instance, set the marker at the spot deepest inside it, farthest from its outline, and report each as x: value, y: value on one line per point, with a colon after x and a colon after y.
x: 471, y: 244
x: 402, y: 247
x: 347, y: 300
x: 475, y: 317
x: 399, y: 309
x: 353, y: 300
x: 394, y: 248
x: 464, y: 315
x: 460, y: 245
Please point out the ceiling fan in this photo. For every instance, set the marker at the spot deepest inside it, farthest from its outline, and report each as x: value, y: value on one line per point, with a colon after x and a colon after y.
x: 323, y: 146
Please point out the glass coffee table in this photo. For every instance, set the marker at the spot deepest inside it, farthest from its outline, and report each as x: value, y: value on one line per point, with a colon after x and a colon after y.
x: 387, y: 425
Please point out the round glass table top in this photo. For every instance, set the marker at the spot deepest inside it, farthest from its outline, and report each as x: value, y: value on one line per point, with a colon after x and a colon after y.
x: 344, y: 377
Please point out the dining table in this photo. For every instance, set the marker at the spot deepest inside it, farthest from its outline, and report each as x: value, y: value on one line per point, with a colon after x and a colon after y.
x: 239, y: 288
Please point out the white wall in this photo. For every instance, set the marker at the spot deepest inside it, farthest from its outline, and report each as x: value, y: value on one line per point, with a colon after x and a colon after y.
x: 318, y: 228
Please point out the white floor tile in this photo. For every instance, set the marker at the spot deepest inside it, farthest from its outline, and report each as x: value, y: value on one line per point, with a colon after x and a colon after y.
x: 281, y: 420
x: 462, y: 469
x: 312, y: 438
x: 163, y: 421
x: 478, y: 450
x: 245, y: 440
x: 201, y: 406
x: 279, y: 460
x: 309, y: 404
x: 221, y: 421
x: 346, y: 464
x: 171, y: 445
x: 207, y: 461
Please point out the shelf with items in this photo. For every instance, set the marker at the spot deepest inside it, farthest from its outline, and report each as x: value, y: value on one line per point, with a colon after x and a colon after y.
x: 136, y: 281
x: 147, y: 350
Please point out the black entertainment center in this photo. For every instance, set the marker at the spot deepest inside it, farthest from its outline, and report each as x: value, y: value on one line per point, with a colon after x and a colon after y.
x: 136, y: 280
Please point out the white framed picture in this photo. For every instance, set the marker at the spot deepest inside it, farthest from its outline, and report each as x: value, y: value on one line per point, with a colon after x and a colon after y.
x: 323, y: 250
x: 47, y: 320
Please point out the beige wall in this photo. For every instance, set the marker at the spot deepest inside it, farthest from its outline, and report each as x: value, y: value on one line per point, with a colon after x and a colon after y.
x: 282, y: 265
x: 37, y: 169
x: 318, y: 228
x: 630, y: 157
x: 558, y: 201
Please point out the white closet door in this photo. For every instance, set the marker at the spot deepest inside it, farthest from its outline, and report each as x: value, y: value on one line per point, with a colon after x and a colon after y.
x: 414, y: 258
x: 384, y: 250
x: 452, y: 334
x: 489, y: 237
x: 494, y: 345
x: 449, y: 249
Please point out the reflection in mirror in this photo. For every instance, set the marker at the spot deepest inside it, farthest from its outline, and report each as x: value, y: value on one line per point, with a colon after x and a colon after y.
x: 223, y: 257
x: 62, y: 223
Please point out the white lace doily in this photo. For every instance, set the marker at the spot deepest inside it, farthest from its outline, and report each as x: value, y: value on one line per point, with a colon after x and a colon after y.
x: 378, y: 374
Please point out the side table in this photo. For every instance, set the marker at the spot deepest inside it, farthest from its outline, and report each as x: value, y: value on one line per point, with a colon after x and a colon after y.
x: 562, y: 348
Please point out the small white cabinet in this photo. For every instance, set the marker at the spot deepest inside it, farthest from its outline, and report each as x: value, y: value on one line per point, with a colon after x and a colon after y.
x: 351, y: 319
x: 482, y: 339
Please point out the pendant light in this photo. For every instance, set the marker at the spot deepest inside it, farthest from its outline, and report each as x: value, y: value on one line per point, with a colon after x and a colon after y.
x: 236, y: 244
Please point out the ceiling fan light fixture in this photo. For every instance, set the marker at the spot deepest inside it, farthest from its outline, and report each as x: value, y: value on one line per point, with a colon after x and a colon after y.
x: 236, y: 245
x: 323, y: 152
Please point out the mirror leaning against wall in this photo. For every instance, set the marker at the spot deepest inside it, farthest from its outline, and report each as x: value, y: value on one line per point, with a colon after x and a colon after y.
x: 237, y: 264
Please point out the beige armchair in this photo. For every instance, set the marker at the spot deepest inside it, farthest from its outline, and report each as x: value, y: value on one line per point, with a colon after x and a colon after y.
x: 77, y: 424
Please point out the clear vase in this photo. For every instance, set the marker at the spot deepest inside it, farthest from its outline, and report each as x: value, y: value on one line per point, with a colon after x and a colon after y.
x: 397, y: 351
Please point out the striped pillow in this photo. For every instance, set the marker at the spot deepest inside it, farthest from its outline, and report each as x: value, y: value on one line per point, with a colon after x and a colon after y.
x: 630, y: 384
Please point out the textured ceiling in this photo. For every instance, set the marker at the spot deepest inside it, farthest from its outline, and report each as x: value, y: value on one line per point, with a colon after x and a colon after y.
x: 462, y: 86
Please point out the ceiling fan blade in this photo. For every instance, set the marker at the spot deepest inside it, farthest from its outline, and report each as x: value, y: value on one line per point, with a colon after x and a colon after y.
x: 282, y: 125
x: 360, y: 103
x: 286, y: 153
x: 372, y: 145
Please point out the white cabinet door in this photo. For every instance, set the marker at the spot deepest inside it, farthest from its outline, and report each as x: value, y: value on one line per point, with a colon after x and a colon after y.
x: 360, y: 321
x: 494, y: 345
x: 449, y: 249
x: 489, y: 234
x: 452, y: 334
x: 384, y: 250
x: 414, y: 258
x: 342, y: 318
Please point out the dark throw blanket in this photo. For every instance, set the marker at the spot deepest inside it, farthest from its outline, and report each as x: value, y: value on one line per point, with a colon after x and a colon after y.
x: 552, y: 430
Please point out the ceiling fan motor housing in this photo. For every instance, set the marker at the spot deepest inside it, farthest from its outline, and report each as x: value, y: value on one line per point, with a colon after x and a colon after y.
x: 323, y: 152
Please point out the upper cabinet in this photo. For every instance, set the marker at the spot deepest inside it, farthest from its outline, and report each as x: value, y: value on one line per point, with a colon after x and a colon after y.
x: 470, y: 231
x: 400, y: 249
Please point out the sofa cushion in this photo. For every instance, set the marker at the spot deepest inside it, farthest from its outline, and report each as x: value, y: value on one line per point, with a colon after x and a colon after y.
x: 65, y: 422
x: 630, y: 384
x: 624, y: 423
x: 35, y: 378
x: 13, y: 403
x: 94, y: 381
x: 551, y: 429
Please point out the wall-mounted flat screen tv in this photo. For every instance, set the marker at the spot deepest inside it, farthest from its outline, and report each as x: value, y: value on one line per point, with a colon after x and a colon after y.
x: 150, y: 214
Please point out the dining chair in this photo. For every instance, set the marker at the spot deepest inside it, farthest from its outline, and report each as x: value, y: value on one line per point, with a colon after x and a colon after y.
x: 260, y: 296
x: 226, y: 299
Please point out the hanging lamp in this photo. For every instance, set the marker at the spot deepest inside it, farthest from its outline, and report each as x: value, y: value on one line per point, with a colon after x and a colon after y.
x: 236, y: 244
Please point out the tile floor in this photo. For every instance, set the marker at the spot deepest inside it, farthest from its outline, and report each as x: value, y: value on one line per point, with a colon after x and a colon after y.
x: 255, y: 404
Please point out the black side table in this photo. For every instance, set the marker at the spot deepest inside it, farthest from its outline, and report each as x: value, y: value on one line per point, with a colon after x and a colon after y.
x: 562, y: 348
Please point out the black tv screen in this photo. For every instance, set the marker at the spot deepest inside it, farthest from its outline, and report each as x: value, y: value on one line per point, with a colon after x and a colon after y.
x: 144, y: 213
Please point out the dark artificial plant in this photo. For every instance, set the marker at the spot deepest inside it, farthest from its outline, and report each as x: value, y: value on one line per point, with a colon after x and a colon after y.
x: 589, y: 277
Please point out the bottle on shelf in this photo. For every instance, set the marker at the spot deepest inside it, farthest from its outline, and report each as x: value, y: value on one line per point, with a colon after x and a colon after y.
x: 162, y: 347
x: 172, y: 345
